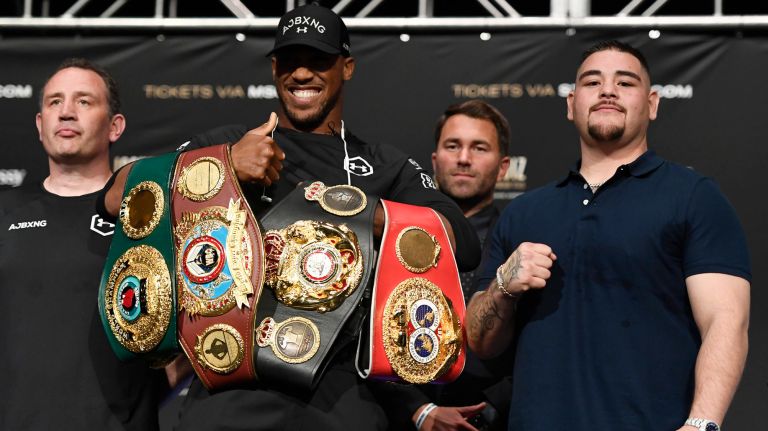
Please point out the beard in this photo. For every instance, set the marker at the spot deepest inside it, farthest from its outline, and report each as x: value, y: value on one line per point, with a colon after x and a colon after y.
x: 467, y: 196
x: 605, y: 132
x: 308, y: 121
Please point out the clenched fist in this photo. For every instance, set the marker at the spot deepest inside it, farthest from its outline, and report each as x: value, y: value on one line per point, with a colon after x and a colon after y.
x: 528, y: 267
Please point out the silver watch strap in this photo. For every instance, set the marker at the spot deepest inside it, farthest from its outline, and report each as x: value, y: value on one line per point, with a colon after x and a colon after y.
x: 701, y: 424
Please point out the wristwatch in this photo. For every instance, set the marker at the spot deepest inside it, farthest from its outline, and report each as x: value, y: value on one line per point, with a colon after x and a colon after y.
x: 703, y: 424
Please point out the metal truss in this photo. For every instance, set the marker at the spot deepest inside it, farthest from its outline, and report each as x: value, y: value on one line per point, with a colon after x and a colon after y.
x: 362, y: 14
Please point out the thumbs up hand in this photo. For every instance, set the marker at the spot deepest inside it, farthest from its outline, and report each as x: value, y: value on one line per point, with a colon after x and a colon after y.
x: 256, y: 158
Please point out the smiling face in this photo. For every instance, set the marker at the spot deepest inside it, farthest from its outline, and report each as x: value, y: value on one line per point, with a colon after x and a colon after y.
x: 74, y: 123
x: 612, y: 101
x: 309, y: 85
x: 468, y: 161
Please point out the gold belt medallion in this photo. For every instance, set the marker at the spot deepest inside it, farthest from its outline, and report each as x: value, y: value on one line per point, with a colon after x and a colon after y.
x: 141, y: 209
x: 422, y: 334
x: 220, y: 348
x: 417, y: 250
x: 215, y: 260
x: 342, y: 200
x: 201, y: 179
x: 138, y: 298
x: 294, y: 340
x: 313, y: 265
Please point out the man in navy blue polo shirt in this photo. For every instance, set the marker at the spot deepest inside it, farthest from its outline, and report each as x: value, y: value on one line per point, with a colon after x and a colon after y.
x: 624, y: 286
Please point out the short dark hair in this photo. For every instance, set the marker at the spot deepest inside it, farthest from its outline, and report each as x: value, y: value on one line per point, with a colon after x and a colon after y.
x: 615, y: 45
x: 480, y: 110
x: 113, y: 95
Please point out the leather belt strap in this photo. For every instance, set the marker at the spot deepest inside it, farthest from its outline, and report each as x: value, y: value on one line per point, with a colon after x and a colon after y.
x: 319, y: 257
x: 137, y: 295
x: 417, y: 307
x: 220, y: 268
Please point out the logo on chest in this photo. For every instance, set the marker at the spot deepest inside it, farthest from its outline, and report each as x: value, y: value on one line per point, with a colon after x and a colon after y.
x: 358, y: 166
x: 101, y: 226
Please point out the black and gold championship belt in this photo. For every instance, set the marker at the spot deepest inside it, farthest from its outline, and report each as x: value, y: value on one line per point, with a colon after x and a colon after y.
x: 417, y: 309
x: 318, y: 250
x: 219, y: 268
x: 137, y: 298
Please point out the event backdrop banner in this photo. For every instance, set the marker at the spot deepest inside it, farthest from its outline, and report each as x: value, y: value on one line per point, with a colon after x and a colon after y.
x: 711, y: 118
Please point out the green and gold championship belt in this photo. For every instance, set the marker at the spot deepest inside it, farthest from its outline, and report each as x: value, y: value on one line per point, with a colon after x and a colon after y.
x: 417, y: 307
x: 319, y: 255
x: 137, y: 298
x: 220, y: 268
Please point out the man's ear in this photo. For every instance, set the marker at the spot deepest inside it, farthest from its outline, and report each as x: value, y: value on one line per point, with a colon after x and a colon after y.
x: 503, y: 167
x: 38, y: 123
x: 274, y: 68
x: 653, y: 104
x: 117, y: 127
x: 349, y: 68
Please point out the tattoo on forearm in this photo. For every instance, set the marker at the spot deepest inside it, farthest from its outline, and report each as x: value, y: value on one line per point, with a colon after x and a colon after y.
x: 486, y: 317
x: 514, y: 265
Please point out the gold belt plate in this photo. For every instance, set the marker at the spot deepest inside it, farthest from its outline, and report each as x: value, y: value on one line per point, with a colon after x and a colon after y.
x: 294, y: 340
x: 313, y: 265
x: 417, y: 250
x: 220, y: 348
x: 141, y: 209
x: 342, y: 200
x: 215, y: 260
x: 138, y: 298
x: 421, y: 333
x: 202, y: 179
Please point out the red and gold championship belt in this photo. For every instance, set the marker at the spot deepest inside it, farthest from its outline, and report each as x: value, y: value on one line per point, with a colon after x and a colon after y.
x: 220, y: 268
x: 417, y: 309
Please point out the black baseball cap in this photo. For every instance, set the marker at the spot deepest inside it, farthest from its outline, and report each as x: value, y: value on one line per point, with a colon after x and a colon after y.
x: 312, y: 25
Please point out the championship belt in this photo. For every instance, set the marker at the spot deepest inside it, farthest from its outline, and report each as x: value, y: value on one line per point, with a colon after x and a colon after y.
x: 220, y: 267
x: 417, y: 307
x: 137, y: 298
x: 318, y: 246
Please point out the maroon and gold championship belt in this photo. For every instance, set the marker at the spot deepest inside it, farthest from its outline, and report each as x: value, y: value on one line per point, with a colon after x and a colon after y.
x: 417, y: 309
x: 318, y: 248
x: 220, y: 268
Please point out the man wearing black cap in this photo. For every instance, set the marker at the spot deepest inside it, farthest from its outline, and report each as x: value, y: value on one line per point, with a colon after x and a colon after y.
x: 310, y: 62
